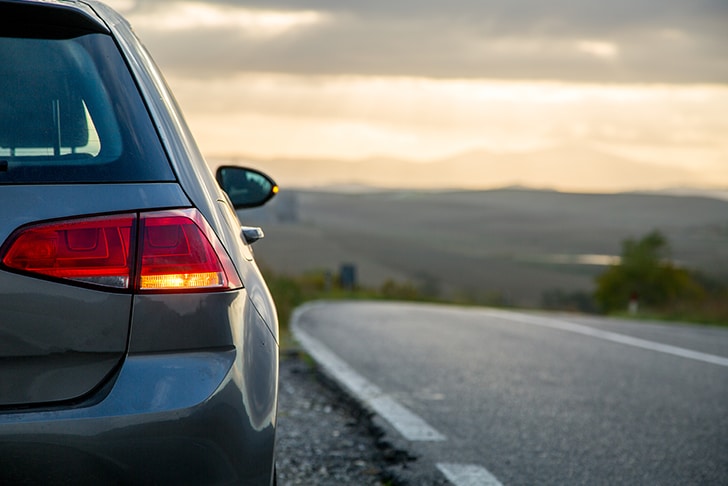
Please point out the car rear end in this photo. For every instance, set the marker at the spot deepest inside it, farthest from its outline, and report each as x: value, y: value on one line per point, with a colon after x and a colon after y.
x: 137, y: 339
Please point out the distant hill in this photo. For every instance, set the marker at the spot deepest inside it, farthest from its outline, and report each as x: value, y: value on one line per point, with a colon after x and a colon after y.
x: 690, y: 191
x: 513, y: 243
x: 574, y: 168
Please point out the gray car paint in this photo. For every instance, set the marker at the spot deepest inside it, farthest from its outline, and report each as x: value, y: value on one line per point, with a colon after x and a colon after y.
x: 59, y: 342
x: 197, y: 407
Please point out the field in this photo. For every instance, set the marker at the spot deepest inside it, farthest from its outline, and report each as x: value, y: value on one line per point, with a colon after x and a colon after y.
x: 508, y: 246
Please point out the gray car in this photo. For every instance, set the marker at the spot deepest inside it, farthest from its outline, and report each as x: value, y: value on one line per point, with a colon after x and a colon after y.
x: 138, y: 340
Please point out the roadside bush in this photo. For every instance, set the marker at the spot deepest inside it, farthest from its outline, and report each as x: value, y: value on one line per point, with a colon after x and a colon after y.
x: 661, y: 289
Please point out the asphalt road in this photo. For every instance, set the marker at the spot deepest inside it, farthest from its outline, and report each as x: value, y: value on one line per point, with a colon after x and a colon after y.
x: 485, y: 396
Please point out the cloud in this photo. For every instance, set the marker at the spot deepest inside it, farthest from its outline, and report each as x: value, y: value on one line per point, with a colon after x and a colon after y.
x: 622, y: 41
x: 599, y: 49
x: 191, y: 16
x: 415, y: 118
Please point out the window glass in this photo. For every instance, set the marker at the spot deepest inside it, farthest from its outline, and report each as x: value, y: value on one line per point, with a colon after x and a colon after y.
x: 71, y: 112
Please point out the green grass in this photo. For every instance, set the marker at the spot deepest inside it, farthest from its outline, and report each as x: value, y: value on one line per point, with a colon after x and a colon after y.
x: 712, y: 311
x: 290, y: 292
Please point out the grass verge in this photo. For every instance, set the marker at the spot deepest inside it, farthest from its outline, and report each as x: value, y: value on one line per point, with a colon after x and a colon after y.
x: 290, y: 292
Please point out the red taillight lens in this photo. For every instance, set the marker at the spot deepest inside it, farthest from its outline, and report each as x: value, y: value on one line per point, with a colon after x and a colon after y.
x: 177, y: 251
x: 93, y: 250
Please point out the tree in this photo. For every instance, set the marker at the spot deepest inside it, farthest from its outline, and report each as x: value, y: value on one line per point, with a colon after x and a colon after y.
x: 645, y: 272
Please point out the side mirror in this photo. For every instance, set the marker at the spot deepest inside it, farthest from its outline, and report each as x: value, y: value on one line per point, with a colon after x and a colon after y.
x: 247, y: 188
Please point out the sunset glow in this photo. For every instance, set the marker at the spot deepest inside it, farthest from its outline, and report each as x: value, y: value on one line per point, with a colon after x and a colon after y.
x: 267, y: 80
x: 421, y: 119
x: 197, y: 15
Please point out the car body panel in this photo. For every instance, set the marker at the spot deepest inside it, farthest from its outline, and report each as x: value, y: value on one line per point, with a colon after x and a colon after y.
x: 61, y: 341
x: 176, y: 321
x: 168, y: 419
x: 57, y: 342
x: 189, y: 387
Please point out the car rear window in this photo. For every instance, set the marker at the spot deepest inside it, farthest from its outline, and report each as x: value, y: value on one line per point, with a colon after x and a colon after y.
x: 71, y: 112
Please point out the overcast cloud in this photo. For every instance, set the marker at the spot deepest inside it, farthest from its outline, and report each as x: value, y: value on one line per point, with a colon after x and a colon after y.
x: 621, y: 41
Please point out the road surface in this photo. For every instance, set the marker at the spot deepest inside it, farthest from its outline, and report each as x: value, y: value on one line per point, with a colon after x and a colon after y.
x: 486, y: 396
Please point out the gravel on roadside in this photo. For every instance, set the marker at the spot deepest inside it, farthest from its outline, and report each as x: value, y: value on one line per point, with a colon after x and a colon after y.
x: 323, y: 437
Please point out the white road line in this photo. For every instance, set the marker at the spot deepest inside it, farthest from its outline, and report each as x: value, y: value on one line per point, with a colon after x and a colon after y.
x: 609, y: 336
x: 468, y: 475
x: 411, y: 426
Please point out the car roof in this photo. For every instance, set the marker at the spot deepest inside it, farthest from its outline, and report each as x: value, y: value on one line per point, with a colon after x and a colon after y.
x: 71, y: 13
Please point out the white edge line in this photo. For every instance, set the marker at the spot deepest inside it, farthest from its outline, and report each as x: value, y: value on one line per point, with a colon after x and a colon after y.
x: 467, y: 475
x: 407, y: 423
x: 610, y: 336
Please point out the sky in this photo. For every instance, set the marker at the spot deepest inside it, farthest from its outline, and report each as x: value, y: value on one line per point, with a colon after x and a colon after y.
x: 424, y: 80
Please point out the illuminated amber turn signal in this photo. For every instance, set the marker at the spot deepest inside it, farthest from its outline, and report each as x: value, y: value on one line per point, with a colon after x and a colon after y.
x: 181, y: 281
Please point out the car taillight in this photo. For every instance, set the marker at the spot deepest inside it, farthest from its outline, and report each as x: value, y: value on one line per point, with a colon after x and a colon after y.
x: 179, y: 251
x: 176, y: 251
x: 93, y: 250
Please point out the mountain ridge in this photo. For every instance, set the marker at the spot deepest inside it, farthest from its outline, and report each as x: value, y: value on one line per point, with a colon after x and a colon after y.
x: 564, y: 168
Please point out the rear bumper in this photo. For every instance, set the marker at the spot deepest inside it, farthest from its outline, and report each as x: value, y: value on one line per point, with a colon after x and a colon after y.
x: 177, y: 418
